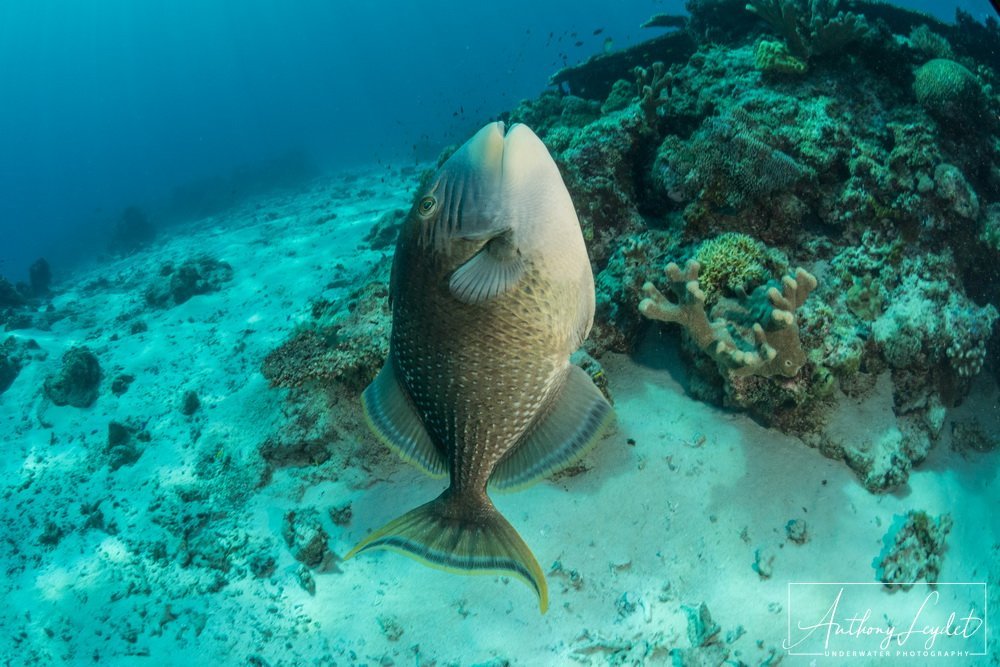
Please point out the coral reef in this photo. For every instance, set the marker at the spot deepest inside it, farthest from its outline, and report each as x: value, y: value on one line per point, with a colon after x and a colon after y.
x: 928, y: 322
x: 617, y: 322
x: 775, y: 57
x: 914, y: 550
x: 855, y: 171
x: 731, y: 264
x: 835, y: 147
x: 9, y: 294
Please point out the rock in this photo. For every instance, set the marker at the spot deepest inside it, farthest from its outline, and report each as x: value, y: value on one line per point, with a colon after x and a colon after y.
x: 121, y: 383
x: 300, y: 452
x: 701, y: 629
x: 341, y: 515
x: 9, y: 368
x: 390, y: 627
x: 262, y: 564
x: 913, y: 549
x: 796, y: 531
x: 200, y: 275
x: 78, y: 381
x: 123, y: 448
x: 307, y: 540
x: 190, y: 403
x: 306, y: 580
x: 763, y: 562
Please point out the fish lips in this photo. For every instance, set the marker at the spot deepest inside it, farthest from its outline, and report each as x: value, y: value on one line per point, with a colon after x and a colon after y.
x: 477, y: 184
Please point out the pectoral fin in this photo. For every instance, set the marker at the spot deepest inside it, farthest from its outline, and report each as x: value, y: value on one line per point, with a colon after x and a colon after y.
x: 392, y: 417
x: 574, y: 424
x: 495, y: 269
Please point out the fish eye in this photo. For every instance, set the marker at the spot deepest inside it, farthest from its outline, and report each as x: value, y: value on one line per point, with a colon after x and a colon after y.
x: 426, y: 205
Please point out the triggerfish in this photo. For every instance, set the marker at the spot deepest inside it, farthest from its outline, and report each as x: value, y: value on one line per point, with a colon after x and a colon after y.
x: 491, y: 291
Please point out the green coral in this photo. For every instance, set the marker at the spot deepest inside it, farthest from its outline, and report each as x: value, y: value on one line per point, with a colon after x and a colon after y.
x: 731, y: 263
x: 775, y: 57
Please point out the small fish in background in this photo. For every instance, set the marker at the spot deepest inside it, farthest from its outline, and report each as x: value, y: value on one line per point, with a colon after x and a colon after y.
x: 609, y: 45
x: 491, y: 291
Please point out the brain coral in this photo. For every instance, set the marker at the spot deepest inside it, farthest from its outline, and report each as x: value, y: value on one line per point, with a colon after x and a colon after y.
x: 948, y: 90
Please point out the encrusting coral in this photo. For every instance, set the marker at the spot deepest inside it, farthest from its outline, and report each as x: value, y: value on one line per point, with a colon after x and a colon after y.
x: 775, y: 348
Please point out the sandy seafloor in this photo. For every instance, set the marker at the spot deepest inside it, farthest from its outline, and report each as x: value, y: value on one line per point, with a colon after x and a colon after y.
x: 671, y: 511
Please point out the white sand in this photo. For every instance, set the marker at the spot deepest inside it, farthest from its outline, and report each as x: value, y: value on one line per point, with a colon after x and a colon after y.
x: 674, y: 519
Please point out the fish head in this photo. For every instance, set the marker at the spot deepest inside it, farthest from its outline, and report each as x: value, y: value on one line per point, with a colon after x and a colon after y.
x: 500, y: 182
x: 458, y: 210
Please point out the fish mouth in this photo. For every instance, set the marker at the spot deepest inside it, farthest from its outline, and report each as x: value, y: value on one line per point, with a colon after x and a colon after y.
x: 496, y: 165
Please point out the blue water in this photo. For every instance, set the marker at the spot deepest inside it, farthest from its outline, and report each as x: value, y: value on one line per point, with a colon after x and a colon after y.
x: 115, y: 103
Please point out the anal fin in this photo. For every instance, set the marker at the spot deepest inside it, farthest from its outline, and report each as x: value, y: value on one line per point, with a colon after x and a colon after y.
x: 573, y: 424
x: 392, y: 417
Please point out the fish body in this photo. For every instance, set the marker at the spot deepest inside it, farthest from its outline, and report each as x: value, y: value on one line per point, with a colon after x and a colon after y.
x: 491, y: 292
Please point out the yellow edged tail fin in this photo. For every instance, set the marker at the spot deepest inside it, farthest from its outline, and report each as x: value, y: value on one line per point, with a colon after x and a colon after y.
x: 462, y: 533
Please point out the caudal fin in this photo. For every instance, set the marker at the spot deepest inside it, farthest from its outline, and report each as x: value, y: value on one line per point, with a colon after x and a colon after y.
x: 461, y: 534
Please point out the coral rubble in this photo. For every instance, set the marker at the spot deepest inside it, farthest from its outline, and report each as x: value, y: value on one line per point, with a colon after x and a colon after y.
x: 914, y: 550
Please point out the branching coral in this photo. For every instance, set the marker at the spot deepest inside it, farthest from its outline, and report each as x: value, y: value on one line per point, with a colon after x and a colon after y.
x: 651, y: 82
x: 775, y: 347
x: 811, y: 27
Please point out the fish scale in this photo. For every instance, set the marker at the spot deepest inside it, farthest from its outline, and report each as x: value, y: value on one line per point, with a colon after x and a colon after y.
x: 435, y: 326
